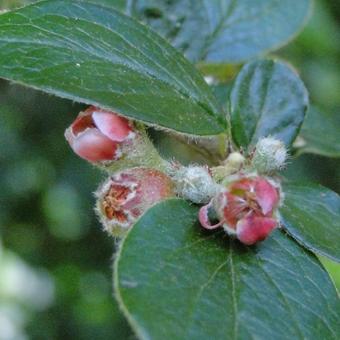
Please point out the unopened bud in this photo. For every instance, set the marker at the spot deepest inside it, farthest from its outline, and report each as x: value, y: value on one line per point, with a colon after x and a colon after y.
x: 269, y: 156
x: 126, y: 195
x: 98, y: 135
x: 194, y: 183
x: 110, y: 141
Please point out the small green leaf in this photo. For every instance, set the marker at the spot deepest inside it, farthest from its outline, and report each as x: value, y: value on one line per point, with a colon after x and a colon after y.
x: 230, y: 31
x: 176, y: 281
x: 267, y: 98
x: 319, y: 134
x: 94, y: 54
x: 311, y: 214
x: 333, y: 269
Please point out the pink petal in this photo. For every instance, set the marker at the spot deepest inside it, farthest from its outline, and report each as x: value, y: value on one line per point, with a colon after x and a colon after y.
x: 204, y: 218
x: 82, y: 122
x: 267, y: 195
x: 244, y: 184
x: 147, y: 187
x: 234, y: 210
x: 93, y: 146
x: 155, y: 185
x: 252, y: 228
x: 114, y: 127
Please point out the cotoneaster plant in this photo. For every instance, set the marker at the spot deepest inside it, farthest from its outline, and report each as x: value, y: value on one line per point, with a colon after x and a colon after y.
x: 225, y: 249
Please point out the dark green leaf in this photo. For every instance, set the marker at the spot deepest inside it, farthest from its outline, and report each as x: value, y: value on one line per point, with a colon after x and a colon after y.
x: 223, y: 30
x: 320, y: 134
x: 175, y: 281
x: 267, y: 98
x: 311, y: 214
x: 96, y: 55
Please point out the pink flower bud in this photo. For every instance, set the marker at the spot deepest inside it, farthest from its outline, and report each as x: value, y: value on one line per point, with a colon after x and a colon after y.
x: 246, y: 208
x: 97, y: 135
x: 128, y: 194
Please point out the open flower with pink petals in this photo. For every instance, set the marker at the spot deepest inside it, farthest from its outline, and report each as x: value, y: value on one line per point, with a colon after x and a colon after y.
x: 246, y: 208
x: 98, y: 135
x: 126, y: 195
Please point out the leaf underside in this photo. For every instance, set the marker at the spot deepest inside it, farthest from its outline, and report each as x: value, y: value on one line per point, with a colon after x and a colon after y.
x: 223, y: 31
x: 97, y: 55
x: 175, y: 281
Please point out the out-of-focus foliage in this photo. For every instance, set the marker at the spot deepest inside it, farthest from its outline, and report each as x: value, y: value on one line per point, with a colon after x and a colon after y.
x: 229, y: 31
x: 50, y: 238
x: 316, y: 56
x: 47, y: 221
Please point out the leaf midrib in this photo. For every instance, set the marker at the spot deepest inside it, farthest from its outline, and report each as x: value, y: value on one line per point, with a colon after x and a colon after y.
x: 198, y: 297
x: 92, y: 52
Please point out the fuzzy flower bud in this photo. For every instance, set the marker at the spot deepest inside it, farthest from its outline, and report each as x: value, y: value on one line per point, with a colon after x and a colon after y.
x: 111, y: 142
x: 195, y: 183
x: 245, y: 208
x: 231, y: 165
x: 126, y: 195
x: 270, y: 155
x: 97, y: 135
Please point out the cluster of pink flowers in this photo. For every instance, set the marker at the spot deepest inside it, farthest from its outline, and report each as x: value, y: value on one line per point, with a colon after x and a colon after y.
x: 245, y: 208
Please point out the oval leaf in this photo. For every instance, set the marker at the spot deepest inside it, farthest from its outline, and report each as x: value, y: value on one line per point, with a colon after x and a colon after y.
x: 311, y: 214
x: 96, y: 55
x: 175, y: 281
x: 319, y: 134
x: 267, y: 98
x: 230, y: 31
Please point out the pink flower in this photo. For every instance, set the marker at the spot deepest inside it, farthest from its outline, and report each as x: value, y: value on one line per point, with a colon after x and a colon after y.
x: 128, y: 194
x: 96, y: 135
x: 245, y: 208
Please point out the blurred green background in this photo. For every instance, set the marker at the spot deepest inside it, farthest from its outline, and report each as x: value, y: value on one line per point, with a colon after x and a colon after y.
x: 55, y: 262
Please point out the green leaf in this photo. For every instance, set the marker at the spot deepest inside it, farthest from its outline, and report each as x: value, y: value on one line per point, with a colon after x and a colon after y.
x: 319, y: 134
x: 117, y: 4
x: 221, y: 91
x: 96, y: 55
x: 267, y: 98
x: 175, y: 281
x: 311, y: 214
x: 218, y: 31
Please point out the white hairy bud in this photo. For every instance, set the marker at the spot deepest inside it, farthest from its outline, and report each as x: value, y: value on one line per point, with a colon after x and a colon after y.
x: 230, y: 166
x: 270, y: 155
x: 195, y: 183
